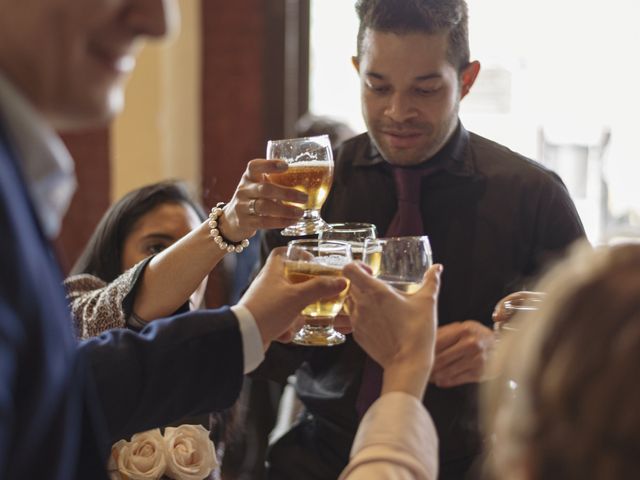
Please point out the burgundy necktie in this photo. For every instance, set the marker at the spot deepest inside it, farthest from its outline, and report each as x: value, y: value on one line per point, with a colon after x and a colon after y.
x: 406, y: 222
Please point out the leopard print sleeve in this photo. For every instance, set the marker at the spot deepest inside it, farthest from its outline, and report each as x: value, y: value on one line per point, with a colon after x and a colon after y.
x: 97, y: 306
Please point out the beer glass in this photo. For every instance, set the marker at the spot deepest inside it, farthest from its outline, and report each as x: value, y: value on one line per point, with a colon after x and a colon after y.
x: 401, y: 261
x: 304, y: 260
x: 353, y: 233
x: 310, y: 161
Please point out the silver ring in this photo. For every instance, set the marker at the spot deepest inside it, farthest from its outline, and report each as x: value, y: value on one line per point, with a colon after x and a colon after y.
x: 252, y: 206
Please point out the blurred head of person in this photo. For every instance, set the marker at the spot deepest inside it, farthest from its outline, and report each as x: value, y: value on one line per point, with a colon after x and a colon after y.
x: 414, y: 68
x: 566, y: 403
x: 310, y: 125
x: 71, y: 57
x: 142, y: 223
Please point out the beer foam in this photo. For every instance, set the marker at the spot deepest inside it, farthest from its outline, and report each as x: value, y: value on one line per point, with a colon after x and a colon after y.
x: 332, y: 261
x: 308, y: 164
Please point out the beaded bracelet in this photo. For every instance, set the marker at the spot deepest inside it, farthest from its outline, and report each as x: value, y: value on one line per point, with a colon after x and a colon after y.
x: 222, y: 242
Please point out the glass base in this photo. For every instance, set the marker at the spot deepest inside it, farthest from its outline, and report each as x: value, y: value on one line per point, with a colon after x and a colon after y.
x: 309, y: 224
x: 318, y: 336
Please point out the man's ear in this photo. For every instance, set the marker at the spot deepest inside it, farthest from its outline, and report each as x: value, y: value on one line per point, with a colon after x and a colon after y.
x: 355, y: 61
x: 468, y: 77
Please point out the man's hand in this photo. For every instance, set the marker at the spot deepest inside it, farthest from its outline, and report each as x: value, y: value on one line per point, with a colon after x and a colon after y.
x: 462, y: 351
x: 276, y: 304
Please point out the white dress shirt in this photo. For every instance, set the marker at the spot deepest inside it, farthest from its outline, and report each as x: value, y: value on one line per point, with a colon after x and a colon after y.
x: 49, y: 173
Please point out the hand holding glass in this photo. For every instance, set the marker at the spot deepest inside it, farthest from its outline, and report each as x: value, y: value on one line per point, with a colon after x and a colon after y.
x: 401, y: 261
x: 310, y: 161
x: 304, y: 260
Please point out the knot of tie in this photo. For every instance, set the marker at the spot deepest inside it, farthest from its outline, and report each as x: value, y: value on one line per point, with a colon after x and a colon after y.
x: 408, y: 181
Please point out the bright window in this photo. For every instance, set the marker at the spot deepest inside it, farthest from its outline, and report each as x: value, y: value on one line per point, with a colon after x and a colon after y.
x: 558, y: 84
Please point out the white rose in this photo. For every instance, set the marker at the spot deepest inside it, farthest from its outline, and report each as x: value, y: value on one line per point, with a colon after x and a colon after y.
x: 143, y: 458
x: 112, y: 465
x: 190, y: 453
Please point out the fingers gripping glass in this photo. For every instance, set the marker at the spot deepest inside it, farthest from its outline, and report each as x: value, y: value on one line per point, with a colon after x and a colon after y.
x: 310, y: 161
x: 307, y: 259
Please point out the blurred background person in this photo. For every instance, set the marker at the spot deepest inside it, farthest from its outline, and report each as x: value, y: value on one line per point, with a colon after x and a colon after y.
x: 566, y: 403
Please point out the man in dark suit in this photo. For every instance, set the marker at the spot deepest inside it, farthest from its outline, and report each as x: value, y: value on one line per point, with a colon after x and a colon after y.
x: 62, y: 66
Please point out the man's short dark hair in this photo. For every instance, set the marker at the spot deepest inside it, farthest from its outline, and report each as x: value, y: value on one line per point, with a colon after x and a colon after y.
x: 419, y: 16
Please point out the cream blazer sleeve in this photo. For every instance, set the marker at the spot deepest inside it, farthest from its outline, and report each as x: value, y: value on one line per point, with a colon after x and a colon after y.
x: 396, y: 440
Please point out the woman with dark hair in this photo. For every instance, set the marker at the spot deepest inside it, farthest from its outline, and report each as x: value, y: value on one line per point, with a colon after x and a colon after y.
x: 143, y: 223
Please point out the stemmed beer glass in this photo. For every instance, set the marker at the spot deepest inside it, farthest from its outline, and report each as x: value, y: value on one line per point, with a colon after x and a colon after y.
x: 310, y: 161
x: 304, y: 260
x: 353, y: 233
x: 401, y: 261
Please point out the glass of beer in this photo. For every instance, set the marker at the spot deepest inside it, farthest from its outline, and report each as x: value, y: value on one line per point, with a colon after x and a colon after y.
x: 353, y: 233
x: 310, y: 161
x: 401, y: 261
x: 304, y: 260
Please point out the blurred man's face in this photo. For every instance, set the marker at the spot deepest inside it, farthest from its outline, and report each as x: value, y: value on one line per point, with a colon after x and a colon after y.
x: 410, y: 93
x: 71, y: 57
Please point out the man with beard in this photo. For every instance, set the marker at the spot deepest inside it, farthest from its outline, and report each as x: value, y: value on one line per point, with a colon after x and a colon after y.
x: 493, y: 218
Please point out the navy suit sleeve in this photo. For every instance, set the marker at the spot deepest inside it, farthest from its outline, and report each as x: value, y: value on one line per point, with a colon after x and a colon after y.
x: 184, y: 365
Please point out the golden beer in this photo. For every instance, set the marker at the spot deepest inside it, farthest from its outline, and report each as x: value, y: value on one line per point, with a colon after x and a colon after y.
x: 322, y: 312
x: 313, y: 179
x: 373, y: 259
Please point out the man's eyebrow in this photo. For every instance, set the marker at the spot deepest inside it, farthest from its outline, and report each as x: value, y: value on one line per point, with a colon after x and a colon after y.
x: 419, y: 78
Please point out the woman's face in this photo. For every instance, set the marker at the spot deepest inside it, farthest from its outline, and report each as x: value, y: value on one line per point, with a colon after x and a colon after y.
x: 158, y: 229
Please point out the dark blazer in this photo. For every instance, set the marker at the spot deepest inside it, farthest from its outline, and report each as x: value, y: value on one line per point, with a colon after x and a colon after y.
x: 62, y: 405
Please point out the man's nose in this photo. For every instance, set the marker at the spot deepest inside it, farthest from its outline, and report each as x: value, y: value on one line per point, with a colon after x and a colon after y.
x: 400, y: 108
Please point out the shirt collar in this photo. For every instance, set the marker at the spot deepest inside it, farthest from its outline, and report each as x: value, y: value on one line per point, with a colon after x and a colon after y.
x: 45, y: 161
x: 454, y: 157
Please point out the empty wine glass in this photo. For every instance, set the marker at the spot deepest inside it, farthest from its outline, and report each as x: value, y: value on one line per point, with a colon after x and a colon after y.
x: 310, y: 161
x: 400, y: 261
x: 514, y: 309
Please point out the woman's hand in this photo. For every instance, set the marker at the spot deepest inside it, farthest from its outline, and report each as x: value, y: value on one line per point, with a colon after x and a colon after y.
x: 258, y: 204
x: 398, y: 331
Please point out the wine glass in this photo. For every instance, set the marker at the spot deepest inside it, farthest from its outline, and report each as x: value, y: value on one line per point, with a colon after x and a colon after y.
x: 310, y: 161
x: 400, y: 261
x: 304, y: 260
x: 514, y: 309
